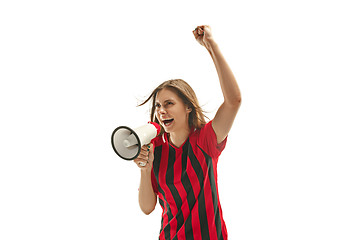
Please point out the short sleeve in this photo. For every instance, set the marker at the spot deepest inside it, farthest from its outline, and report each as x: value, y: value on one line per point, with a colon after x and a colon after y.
x: 208, y: 141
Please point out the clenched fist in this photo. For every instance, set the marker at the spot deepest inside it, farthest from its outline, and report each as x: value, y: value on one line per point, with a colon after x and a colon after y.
x: 203, y: 35
x: 146, y: 157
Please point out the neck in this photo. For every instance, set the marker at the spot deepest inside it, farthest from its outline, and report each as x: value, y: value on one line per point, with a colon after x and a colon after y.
x: 178, y: 138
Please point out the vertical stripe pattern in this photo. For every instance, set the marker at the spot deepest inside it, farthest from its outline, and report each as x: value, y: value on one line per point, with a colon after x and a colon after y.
x: 186, y: 181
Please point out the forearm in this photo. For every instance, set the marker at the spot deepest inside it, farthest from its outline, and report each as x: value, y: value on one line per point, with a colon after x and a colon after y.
x: 229, y: 86
x: 147, y: 197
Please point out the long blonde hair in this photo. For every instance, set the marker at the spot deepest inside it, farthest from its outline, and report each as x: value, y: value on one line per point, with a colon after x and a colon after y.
x: 187, y: 95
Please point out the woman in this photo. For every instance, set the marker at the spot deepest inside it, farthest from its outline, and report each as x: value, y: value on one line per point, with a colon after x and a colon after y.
x: 180, y: 165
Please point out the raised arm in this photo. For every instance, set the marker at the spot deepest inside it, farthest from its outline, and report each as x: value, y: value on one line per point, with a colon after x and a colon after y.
x: 226, y: 113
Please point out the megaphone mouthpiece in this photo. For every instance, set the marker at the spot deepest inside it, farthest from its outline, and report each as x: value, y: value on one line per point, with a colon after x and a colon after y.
x: 130, y: 141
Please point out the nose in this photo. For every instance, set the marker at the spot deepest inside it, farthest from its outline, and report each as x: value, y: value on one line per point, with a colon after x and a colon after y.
x: 162, y: 110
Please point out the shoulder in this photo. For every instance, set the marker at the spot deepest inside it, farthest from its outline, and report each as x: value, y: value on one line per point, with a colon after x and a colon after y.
x: 206, y: 131
x: 206, y: 139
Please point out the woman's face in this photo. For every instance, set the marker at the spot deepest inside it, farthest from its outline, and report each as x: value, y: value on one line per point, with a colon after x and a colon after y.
x: 171, y: 112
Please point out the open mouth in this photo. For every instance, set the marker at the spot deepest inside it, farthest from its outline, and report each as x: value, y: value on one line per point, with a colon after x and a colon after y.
x: 167, y: 122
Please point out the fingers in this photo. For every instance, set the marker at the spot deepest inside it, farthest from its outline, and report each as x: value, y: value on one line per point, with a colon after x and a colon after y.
x: 202, y: 34
x: 141, y: 163
x: 151, y: 152
x: 143, y: 159
x: 199, y: 31
x: 198, y: 37
x: 144, y: 152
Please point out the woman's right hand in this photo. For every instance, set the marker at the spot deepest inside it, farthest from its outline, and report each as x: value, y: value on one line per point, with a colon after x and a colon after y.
x: 146, y: 157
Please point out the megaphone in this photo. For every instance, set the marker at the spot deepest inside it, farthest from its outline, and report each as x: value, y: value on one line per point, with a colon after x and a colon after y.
x: 127, y: 142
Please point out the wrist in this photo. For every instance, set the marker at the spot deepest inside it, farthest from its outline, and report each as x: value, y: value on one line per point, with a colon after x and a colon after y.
x: 211, y: 45
x: 145, y: 171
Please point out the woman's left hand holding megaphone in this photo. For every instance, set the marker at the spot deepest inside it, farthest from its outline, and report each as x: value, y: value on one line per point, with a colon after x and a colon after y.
x: 146, y: 157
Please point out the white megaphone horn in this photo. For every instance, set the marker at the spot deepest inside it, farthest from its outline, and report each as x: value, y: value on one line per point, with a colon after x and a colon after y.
x: 127, y: 142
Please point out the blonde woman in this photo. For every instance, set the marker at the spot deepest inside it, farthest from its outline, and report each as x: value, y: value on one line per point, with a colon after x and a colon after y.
x: 179, y: 167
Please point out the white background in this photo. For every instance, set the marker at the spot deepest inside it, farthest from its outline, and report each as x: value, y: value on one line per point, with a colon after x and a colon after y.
x: 72, y: 71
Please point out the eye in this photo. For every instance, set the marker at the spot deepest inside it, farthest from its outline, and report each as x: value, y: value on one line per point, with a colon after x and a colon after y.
x: 157, y: 105
x: 169, y: 103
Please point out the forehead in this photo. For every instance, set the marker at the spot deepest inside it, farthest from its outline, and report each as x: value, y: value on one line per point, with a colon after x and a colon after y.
x: 166, y: 94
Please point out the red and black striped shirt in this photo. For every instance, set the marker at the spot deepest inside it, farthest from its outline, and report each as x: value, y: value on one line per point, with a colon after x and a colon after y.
x: 185, y: 180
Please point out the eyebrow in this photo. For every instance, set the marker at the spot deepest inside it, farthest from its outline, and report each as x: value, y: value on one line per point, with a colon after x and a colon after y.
x: 167, y: 100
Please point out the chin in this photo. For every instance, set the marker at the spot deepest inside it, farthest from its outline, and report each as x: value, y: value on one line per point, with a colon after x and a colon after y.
x: 168, y: 130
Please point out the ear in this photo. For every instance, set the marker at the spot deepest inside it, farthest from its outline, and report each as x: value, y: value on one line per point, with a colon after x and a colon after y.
x: 188, y: 109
